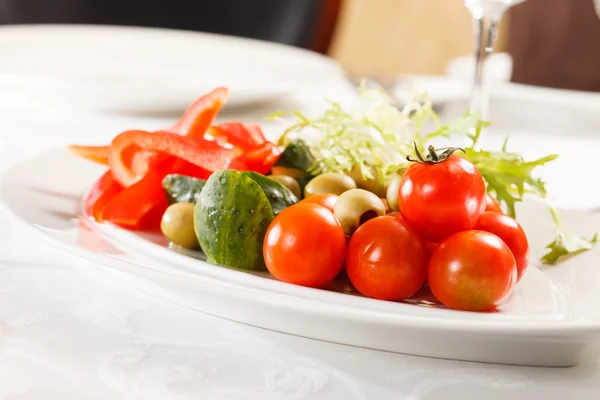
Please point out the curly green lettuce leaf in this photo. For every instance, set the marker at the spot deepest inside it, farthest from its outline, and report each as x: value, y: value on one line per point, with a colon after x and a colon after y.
x: 375, y: 136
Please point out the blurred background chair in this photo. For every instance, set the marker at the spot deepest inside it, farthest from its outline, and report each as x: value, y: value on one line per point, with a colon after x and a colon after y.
x: 306, y: 23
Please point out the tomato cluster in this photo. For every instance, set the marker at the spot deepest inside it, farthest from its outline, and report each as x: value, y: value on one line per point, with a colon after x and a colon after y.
x: 449, y: 233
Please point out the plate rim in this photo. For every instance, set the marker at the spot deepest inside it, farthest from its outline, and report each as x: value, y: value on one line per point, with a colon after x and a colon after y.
x: 501, y: 326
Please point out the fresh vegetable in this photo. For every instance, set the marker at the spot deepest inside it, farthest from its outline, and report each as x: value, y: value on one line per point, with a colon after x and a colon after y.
x: 297, y: 155
x: 333, y: 182
x: 392, y: 192
x: 182, y: 189
x: 355, y: 207
x: 327, y: 200
x: 200, y: 115
x: 192, y: 147
x: 511, y: 233
x: 139, y: 206
x: 97, y: 154
x: 204, y: 155
x: 441, y: 194
x: 177, y: 225
x: 472, y: 271
x: 239, y: 135
x: 387, y: 259
x: 231, y: 219
x: 289, y: 183
x: 278, y: 195
x: 307, y: 253
x: 491, y: 204
x: 566, y: 244
x: 370, y: 182
x: 293, y: 172
x: 376, y: 136
x: 103, y: 191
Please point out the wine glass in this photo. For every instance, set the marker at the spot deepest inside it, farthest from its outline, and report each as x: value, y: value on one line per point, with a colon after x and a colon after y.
x: 486, y: 18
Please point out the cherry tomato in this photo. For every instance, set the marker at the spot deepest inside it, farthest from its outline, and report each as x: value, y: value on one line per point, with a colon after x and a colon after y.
x: 325, y: 199
x: 305, y: 245
x: 431, y: 247
x: 387, y: 259
x: 442, y: 198
x: 395, y: 214
x: 509, y: 230
x: 472, y: 270
x: 492, y: 205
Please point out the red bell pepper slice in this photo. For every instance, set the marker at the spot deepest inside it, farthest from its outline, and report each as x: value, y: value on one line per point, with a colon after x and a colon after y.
x: 103, y: 191
x: 246, y: 137
x: 97, y: 154
x: 260, y: 159
x: 200, y: 152
x: 200, y: 115
x: 257, y: 134
x: 140, y: 206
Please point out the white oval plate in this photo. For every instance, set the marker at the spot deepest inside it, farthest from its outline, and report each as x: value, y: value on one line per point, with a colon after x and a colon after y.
x: 549, y: 321
x: 145, y: 70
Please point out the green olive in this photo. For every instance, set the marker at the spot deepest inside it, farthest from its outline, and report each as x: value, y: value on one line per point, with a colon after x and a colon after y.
x: 329, y: 183
x: 177, y: 225
x: 392, y: 192
x: 355, y: 207
x: 288, y: 182
x: 293, y: 172
x: 373, y: 185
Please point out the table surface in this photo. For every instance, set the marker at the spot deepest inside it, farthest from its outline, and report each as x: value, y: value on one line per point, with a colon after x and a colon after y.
x: 70, y: 330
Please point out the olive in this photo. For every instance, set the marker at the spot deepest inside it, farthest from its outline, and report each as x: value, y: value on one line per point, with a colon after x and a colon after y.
x: 392, y: 192
x: 288, y: 182
x: 293, y: 172
x: 373, y: 185
x: 331, y: 182
x: 355, y: 207
x: 177, y: 225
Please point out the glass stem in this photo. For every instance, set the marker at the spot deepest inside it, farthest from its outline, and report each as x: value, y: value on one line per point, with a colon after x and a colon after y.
x: 486, y: 32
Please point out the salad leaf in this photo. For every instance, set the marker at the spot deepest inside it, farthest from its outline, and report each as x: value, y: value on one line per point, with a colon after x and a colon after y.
x: 566, y: 244
x: 377, y: 136
x: 508, y: 176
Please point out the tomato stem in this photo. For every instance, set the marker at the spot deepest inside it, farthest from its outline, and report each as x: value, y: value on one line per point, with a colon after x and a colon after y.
x: 434, y: 156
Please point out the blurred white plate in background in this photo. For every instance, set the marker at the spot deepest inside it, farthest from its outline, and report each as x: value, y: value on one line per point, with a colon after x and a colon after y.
x: 144, y: 70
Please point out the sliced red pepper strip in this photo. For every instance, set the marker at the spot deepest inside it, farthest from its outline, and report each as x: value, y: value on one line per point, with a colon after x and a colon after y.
x: 260, y: 160
x: 97, y: 154
x: 200, y: 152
x: 257, y: 134
x: 234, y: 133
x: 140, y: 206
x: 103, y: 191
x: 200, y: 115
x: 238, y: 134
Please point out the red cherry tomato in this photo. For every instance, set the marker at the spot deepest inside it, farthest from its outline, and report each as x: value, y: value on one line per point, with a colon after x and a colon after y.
x: 387, y: 259
x: 472, y: 270
x: 492, y: 205
x: 509, y: 230
x: 442, y: 198
x: 305, y: 245
x: 431, y: 247
x: 325, y: 199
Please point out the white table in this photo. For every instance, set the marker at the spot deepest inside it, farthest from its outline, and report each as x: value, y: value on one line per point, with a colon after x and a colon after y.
x: 71, y: 330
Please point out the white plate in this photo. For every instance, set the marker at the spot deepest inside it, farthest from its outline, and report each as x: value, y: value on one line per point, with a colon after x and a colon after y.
x: 127, y: 69
x: 550, y: 320
x: 442, y: 90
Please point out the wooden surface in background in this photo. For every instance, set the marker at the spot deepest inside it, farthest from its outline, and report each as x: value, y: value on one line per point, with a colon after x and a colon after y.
x: 402, y: 36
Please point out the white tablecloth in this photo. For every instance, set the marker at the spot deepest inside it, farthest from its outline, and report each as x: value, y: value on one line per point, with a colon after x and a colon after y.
x: 71, y: 330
